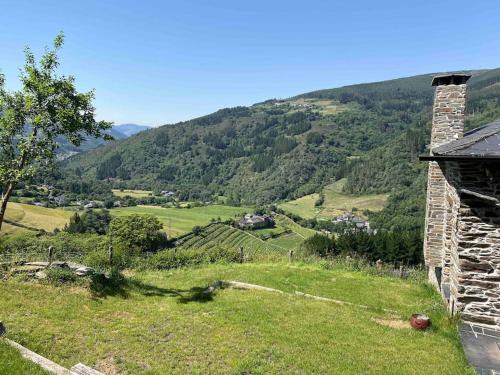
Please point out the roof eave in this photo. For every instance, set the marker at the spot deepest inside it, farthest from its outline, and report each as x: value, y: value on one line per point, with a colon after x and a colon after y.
x: 457, y: 157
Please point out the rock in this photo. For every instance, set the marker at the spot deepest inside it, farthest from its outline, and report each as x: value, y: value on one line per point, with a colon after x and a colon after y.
x: 40, y: 264
x: 61, y: 265
x: 26, y: 269
x: 40, y: 275
x: 84, y: 271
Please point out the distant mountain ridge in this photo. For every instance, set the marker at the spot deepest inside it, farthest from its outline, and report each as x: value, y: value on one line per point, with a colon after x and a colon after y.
x: 277, y: 150
x: 130, y: 129
x: 118, y: 132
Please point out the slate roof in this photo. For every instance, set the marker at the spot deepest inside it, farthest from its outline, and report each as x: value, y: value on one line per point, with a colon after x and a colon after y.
x: 482, y: 142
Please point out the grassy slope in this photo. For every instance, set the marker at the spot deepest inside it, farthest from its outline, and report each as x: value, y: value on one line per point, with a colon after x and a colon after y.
x: 12, y: 363
x: 336, y: 202
x: 178, y: 221
x: 35, y: 217
x: 162, y: 327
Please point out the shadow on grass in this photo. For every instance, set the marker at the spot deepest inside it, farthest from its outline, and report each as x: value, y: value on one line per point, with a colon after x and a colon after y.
x: 115, y: 284
x: 197, y: 294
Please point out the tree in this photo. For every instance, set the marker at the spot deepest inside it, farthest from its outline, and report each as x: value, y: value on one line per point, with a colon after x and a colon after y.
x: 46, y: 107
x: 319, y: 245
x: 138, y: 231
x: 89, y: 222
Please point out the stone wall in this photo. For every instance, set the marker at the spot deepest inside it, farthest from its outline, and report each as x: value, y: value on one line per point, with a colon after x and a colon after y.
x: 447, y: 125
x: 475, y: 241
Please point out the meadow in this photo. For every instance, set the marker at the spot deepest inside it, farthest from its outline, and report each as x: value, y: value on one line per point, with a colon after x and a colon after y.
x: 34, y: 217
x: 179, y: 221
x: 131, y: 193
x: 335, y: 203
x: 160, y: 322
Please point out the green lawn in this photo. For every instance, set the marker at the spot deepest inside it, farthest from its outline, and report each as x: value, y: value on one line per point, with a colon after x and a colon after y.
x: 159, y: 324
x: 178, y: 221
x: 287, y: 240
x: 11, y: 362
x: 336, y: 202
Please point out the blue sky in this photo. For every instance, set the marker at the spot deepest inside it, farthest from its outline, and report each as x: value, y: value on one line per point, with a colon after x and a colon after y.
x: 158, y: 62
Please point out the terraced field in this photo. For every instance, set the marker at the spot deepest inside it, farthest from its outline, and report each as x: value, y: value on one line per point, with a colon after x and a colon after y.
x: 227, y: 236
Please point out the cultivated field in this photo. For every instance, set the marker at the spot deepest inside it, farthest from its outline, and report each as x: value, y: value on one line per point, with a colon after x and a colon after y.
x: 160, y: 322
x: 178, y: 221
x: 227, y: 236
x: 336, y: 202
x: 132, y: 193
x: 34, y: 217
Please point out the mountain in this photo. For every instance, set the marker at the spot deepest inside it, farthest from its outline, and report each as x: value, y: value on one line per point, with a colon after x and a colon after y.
x: 65, y: 149
x: 283, y: 149
x: 130, y: 129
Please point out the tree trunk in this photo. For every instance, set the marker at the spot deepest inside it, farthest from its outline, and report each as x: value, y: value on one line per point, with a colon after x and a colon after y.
x: 5, y: 200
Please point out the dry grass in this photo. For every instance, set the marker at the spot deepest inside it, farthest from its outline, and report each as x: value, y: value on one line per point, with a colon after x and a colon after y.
x: 132, y: 193
x: 34, y: 217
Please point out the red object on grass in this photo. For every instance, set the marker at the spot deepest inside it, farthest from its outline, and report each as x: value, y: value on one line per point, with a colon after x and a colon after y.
x: 419, y: 321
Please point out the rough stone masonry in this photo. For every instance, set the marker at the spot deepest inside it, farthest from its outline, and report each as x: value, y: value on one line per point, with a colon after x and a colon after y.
x: 462, y: 229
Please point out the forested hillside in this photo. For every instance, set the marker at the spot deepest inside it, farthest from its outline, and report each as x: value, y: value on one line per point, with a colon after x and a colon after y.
x: 283, y: 149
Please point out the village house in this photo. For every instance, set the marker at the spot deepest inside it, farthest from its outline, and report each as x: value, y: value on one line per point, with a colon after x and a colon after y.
x: 462, y: 230
x: 356, y: 222
x: 167, y: 193
x: 254, y: 221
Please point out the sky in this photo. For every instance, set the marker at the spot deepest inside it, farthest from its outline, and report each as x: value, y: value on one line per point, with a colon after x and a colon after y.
x: 159, y: 62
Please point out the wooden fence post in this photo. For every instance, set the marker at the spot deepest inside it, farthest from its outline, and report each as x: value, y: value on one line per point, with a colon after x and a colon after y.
x: 110, y: 254
x: 379, y: 264
x: 290, y: 256
x: 51, y: 254
x: 242, y: 254
x: 2, y: 329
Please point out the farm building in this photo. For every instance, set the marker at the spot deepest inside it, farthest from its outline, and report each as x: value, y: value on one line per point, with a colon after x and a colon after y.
x: 253, y: 221
x: 462, y: 234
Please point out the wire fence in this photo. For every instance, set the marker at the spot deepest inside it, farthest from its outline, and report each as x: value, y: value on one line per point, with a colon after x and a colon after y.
x: 36, y: 256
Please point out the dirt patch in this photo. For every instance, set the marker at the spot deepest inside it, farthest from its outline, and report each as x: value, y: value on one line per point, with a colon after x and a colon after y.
x: 392, y: 323
x: 107, y: 365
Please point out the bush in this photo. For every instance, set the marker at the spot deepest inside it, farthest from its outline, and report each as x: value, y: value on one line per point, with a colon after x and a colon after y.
x: 318, y: 245
x: 67, y: 246
x: 169, y: 259
x: 60, y: 276
x: 138, y: 231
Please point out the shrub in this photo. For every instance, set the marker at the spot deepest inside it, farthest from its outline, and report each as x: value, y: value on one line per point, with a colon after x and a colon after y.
x: 32, y: 246
x: 60, y: 276
x: 318, y: 245
x: 138, y: 231
x: 169, y: 259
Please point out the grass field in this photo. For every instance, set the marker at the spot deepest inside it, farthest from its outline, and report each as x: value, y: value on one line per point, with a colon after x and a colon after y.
x: 336, y: 202
x: 178, y: 221
x: 158, y: 324
x: 34, y: 217
x: 132, y: 193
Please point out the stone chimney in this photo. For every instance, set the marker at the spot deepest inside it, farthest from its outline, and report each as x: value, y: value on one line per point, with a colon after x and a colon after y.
x: 447, y: 125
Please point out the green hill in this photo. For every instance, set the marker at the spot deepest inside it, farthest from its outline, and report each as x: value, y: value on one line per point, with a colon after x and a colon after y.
x: 281, y: 150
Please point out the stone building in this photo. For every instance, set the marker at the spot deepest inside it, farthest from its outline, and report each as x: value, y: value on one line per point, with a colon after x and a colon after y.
x: 462, y: 229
